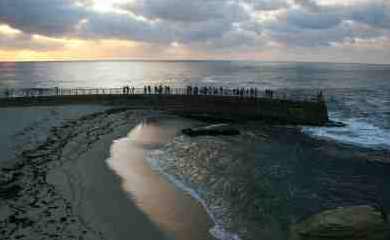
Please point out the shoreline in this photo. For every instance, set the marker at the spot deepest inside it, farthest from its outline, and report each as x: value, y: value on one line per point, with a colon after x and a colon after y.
x: 41, y: 204
x: 236, y: 213
x: 72, y: 178
x: 172, y: 209
x: 89, y: 130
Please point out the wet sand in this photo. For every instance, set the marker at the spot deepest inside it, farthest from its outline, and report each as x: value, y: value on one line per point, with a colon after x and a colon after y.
x: 176, y: 212
x: 63, y: 187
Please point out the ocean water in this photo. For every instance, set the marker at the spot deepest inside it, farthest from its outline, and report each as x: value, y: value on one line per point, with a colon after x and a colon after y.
x: 357, y: 94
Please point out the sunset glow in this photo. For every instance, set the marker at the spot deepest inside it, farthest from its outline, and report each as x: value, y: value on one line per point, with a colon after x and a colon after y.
x: 170, y: 29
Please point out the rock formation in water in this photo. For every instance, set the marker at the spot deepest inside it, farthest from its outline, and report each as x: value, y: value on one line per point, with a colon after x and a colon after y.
x: 212, y: 130
x: 347, y: 223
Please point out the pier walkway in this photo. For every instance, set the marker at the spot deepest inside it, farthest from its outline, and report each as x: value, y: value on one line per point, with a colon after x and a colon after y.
x: 243, y: 104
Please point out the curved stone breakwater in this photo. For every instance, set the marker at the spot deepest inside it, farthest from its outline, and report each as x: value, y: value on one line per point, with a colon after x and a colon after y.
x: 268, y: 109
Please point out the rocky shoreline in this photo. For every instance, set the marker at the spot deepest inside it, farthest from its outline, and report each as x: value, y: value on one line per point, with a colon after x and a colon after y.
x: 256, y: 191
x: 31, y: 205
x: 258, y: 183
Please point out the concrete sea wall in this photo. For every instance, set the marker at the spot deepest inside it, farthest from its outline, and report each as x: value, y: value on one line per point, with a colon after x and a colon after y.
x: 271, y: 110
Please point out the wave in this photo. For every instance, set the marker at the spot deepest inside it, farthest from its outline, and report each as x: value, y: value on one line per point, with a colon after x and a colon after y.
x: 217, y: 231
x: 356, y: 132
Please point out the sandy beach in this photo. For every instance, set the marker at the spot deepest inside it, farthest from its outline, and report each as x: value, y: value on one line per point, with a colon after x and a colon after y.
x: 63, y: 186
x: 83, y: 172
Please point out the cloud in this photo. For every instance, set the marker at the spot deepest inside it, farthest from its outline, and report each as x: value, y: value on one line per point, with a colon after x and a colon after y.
x: 26, y: 42
x: 267, y: 5
x: 46, y: 17
x: 187, y: 11
x: 346, y: 30
x: 315, y: 20
x: 375, y: 13
x: 168, y: 21
x: 318, y: 16
x: 313, y: 24
x: 200, y: 25
x: 13, y: 39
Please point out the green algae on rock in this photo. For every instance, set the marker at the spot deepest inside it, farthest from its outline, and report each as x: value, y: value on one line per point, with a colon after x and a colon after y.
x: 356, y: 222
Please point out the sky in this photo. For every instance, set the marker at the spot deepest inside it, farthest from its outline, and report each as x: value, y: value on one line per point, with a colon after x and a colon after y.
x: 269, y: 30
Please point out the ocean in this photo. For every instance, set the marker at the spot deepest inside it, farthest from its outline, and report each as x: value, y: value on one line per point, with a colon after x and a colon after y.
x: 357, y: 94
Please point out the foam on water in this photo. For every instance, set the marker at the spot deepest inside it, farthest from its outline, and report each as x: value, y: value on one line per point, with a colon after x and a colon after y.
x: 217, y: 231
x: 356, y: 132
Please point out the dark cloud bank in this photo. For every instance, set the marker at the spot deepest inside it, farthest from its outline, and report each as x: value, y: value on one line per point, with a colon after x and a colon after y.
x: 211, y: 25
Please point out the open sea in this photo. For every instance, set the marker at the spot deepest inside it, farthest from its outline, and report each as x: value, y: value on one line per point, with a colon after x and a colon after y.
x: 357, y: 94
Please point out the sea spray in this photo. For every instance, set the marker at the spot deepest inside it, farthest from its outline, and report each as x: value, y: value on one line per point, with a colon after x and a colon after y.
x: 357, y: 132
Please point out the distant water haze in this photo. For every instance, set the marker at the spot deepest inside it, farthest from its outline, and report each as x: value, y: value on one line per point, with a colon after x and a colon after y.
x: 108, y: 74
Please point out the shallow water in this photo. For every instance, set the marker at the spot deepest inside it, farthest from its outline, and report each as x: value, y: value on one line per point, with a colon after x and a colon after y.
x: 277, y: 178
x: 177, y: 213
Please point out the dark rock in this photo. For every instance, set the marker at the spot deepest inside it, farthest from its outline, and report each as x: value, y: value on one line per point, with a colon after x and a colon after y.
x: 331, y: 123
x: 9, y: 192
x: 349, y: 223
x: 211, y: 130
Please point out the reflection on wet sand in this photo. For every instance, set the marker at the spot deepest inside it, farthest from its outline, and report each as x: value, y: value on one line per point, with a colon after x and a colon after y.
x: 175, y: 212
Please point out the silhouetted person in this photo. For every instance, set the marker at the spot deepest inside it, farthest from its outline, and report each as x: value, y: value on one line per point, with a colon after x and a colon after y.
x: 57, y: 91
x: 320, y: 97
x: 6, y: 93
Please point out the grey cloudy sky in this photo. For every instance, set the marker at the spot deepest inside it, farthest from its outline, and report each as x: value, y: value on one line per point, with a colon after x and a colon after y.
x: 309, y: 30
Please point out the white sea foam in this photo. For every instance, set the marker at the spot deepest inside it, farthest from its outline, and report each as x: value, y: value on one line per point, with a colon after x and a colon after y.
x: 356, y: 132
x: 217, y: 231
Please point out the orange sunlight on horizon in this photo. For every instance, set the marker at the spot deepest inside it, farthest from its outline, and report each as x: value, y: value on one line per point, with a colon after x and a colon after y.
x: 42, y: 48
x: 74, y: 49
x: 63, y: 49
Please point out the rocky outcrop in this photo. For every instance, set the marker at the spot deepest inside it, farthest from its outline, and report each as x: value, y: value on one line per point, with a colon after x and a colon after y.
x: 212, y: 130
x: 347, y: 223
x: 332, y: 123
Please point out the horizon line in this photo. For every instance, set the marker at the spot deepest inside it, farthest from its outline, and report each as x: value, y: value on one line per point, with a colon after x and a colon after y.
x: 181, y: 60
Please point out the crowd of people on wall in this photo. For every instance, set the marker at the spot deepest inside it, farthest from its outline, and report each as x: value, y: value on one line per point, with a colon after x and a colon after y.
x: 219, y: 91
x: 195, y: 90
x: 128, y: 90
x: 157, y: 89
x: 163, y: 89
